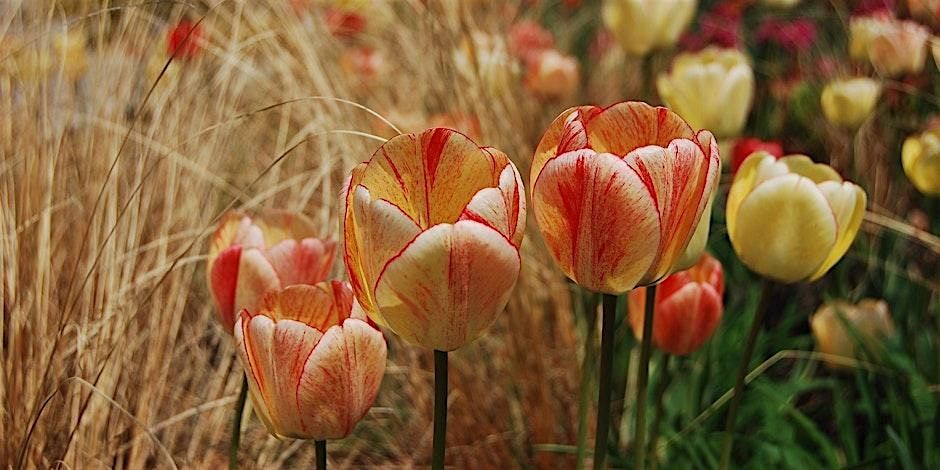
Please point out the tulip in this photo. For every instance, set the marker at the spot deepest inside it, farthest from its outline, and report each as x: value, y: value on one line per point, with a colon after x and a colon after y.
x: 688, y: 307
x: 743, y: 148
x: 853, y: 331
x: 344, y: 24
x: 791, y: 220
x: 643, y: 25
x: 894, y: 47
x: 185, y: 40
x: 619, y: 191
x: 528, y: 39
x: 712, y: 89
x: 484, y: 59
x: 313, y: 364
x: 433, y: 225
x: 924, y: 10
x: 920, y: 157
x: 250, y: 256
x: 848, y: 103
x: 553, y: 75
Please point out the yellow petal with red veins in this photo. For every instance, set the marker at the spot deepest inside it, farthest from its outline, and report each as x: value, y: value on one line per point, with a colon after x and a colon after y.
x: 629, y: 125
x: 448, y: 285
x: 848, y: 205
x: 598, y: 219
x: 502, y: 208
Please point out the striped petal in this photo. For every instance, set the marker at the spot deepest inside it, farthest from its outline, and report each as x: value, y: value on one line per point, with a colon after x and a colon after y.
x: 307, y: 261
x: 565, y: 134
x: 598, y: 219
x: 448, y: 285
x: 223, y: 279
x: 256, y: 277
x: 785, y: 228
x: 340, y: 380
x: 502, y: 208
x: 431, y: 175
x: 320, y: 306
x: 629, y: 125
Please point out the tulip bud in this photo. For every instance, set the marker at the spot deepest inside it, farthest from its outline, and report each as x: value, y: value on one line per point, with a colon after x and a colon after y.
x: 894, y: 47
x: 791, y: 220
x: 313, y: 365
x: 552, y: 75
x: 853, y: 331
x: 743, y: 148
x: 848, y: 103
x: 712, y: 89
x: 920, y: 157
x: 618, y: 192
x: 250, y: 256
x: 643, y: 25
x: 432, y: 229
x: 528, y: 39
x: 688, y: 307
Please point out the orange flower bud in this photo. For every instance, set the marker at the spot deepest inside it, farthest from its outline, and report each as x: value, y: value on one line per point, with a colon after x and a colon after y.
x: 314, y: 367
x: 618, y: 192
x: 688, y: 307
x: 432, y: 231
x: 853, y: 331
x: 250, y: 256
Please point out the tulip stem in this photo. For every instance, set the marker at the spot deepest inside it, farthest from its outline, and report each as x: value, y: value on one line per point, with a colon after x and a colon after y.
x: 737, y: 394
x: 440, y: 409
x: 321, y: 454
x: 664, y: 379
x: 603, y: 394
x: 587, y: 369
x: 237, y: 424
x: 639, y: 442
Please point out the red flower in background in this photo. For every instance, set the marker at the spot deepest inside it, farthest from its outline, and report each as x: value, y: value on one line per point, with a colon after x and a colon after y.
x: 344, y: 24
x: 528, y: 39
x: 793, y: 36
x: 869, y: 7
x: 184, y: 41
x: 719, y: 27
x: 748, y: 145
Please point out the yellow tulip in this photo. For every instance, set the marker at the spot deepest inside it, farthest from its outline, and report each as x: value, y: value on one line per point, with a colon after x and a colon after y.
x: 712, y: 89
x: 643, y: 25
x: 848, y: 103
x: 432, y: 229
x: 619, y: 193
x: 920, y: 156
x: 893, y: 46
x: 853, y: 331
x: 791, y: 220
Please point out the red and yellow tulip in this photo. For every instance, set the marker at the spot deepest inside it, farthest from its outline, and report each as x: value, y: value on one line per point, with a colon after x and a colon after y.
x: 618, y: 192
x: 790, y: 219
x: 688, y: 307
x: 313, y: 365
x: 432, y: 229
x: 250, y: 256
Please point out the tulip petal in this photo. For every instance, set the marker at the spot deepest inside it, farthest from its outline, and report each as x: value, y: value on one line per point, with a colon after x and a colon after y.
x: 804, y: 166
x: 307, y: 261
x: 803, y: 228
x: 234, y: 229
x: 675, y: 178
x: 274, y: 354
x: 319, y: 306
x: 256, y: 277
x: 431, y: 175
x: 279, y: 225
x: 687, y: 318
x: 848, y: 205
x: 340, y: 380
x: 756, y: 169
x: 565, y: 134
x: 448, y: 285
x: 598, y: 219
x: 375, y: 231
x: 629, y: 125
x: 501, y: 208
x: 223, y: 279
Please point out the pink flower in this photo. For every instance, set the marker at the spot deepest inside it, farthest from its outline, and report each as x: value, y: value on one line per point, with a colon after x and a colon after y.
x: 553, y: 75
x: 527, y: 39
x: 719, y: 27
x: 793, y: 36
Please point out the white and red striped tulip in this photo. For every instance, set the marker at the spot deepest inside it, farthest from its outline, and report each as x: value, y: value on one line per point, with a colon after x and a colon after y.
x: 249, y: 256
x: 618, y: 193
x: 314, y: 366
x: 432, y: 229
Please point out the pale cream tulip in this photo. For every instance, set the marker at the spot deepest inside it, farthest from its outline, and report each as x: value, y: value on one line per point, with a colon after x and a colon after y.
x: 643, y: 25
x: 848, y: 103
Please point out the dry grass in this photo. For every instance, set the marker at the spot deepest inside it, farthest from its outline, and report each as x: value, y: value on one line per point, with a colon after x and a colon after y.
x: 110, y: 355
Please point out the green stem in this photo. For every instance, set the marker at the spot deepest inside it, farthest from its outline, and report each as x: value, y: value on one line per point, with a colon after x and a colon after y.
x: 587, y: 370
x: 646, y: 348
x: 237, y: 424
x: 321, y: 454
x: 440, y: 409
x: 737, y: 394
x: 603, y: 395
x: 664, y: 380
